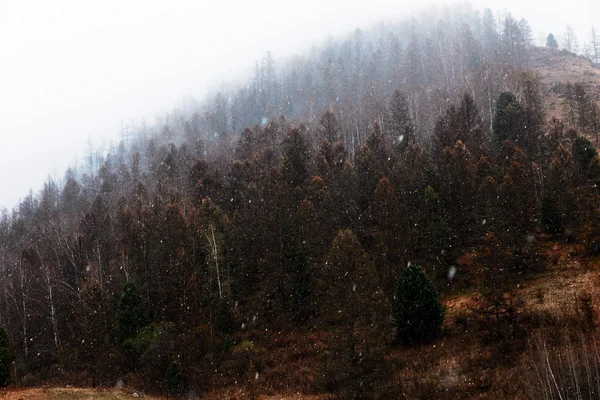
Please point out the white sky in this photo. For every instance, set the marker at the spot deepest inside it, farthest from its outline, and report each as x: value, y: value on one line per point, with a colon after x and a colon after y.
x: 73, y: 69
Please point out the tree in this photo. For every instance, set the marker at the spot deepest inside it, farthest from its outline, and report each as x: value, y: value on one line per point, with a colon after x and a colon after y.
x: 551, y: 41
x: 131, y: 315
x: 372, y: 164
x: 595, y: 46
x: 458, y: 188
x: 417, y: 310
x: 558, y: 204
x: 519, y: 201
x: 295, y: 169
x: 490, y: 32
x: 584, y: 154
x: 414, y: 62
x: 329, y: 127
x: 354, y: 303
x: 594, y: 120
x: 469, y: 122
x: 7, y: 356
x: 509, y: 118
x: 583, y: 106
x: 570, y: 42
x: 398, y: 122
x: 534, y: 116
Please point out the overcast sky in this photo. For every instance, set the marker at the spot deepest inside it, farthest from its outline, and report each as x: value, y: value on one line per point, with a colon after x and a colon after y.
x: 73, y: 69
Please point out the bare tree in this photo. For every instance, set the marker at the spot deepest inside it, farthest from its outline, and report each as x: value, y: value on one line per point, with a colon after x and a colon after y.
x: 570, y: 42
x: 595, y: 45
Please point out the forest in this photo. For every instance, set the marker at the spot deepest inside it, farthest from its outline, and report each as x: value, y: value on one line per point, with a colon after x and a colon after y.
x: 322, y: 215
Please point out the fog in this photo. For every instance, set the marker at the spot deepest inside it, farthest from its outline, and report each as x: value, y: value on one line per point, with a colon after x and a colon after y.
x: 71, y: 71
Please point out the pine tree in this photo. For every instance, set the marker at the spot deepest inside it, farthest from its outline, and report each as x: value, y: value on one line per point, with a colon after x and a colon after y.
x: 534, y: 116
x: 583, y: 106
x: 558, y: 212
x: 584, y: 154
x: 329, y: 127
x: 353, y: 301
x: 509, y: 119
x: 417, y: 310
x: 551, y: 41
x: 470, y: 122
x: 295, y: 169
x: 519, y: 203
x: 372, y: 164
x: 398, y: 122
x: 131, y: 315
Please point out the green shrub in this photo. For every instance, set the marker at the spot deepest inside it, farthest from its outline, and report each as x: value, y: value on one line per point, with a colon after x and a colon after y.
x: 249, y: 356
x: 417, y: 310
x: 155, y: 346
x: 131, y: 316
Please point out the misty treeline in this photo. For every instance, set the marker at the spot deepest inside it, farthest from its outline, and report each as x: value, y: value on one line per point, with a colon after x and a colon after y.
x: 590, y: 48
x: 294, y: 204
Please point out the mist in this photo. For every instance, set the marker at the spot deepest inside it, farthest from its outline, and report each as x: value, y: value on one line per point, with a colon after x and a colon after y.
x: 72, y: 72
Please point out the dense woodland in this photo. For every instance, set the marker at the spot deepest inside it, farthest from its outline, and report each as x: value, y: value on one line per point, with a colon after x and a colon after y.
x: 296, y: 203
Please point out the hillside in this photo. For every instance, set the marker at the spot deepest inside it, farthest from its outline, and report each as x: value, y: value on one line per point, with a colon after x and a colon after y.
x: 394, y: 215
x: 557, y: 68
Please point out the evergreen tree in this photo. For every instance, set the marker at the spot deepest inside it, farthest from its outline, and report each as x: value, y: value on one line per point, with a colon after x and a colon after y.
x: 469, y: 120
x: 534, y: 115
x: 398, y: 122
x: 131, y: 315
x: 509, y: 119
x: 329, y: 127
x: 295, y: 169
x: 560, y: 208
x: 551, y: 41
x: 519, y: 204
x: 372, y: 163
x: 584, y: 154
x: 418, y: 312
x: 354, y: 304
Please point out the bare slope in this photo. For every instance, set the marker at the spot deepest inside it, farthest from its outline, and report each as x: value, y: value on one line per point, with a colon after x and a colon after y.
x: 557, y: 68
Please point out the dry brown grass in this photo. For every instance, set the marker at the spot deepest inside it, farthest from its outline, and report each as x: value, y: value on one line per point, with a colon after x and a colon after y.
x: 557, y: 68
x: 235, y: 393
x: 62, y: 393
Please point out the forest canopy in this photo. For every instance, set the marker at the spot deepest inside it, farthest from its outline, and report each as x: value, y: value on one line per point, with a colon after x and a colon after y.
x: 303, y: 202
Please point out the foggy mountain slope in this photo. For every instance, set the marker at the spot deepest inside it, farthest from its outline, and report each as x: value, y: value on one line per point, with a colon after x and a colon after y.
x: 556, y: 69
x: 380, y: 217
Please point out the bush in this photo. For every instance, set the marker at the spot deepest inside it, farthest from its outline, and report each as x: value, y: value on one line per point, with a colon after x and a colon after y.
x: 417, y: 310
x: 7, y: 355
x: 155, y: 345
